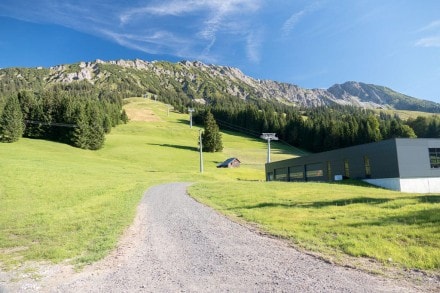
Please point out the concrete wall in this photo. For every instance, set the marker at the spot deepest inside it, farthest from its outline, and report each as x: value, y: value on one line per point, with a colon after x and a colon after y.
x: 411, y: 185
x: 388, y: 183
x: 420, y: 185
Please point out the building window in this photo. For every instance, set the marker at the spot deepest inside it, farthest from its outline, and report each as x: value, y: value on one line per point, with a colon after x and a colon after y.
x: 434, y: 157
x: 296, y: 173
x: 346, y: 169
x: 281, y: 174
x: 329, y: 171
x: 367, y: 167
x: 314, y: 170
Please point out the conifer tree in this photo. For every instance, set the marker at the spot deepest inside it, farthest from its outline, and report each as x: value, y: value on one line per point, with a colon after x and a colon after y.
x: 96, y: 133
x: 81, y: 132
x: 124, y: 116
x: 107, y: 124
x: 11, y: 121
x: 211, y: 138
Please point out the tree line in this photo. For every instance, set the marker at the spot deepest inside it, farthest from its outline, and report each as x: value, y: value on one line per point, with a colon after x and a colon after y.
x: 316, y: 129
x: 77, y: 114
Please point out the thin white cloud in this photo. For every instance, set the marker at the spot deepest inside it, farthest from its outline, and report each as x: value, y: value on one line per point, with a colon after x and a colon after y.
x: 429, y: 42
x: 296, y: 17
x: 289, y: 24
x: 170, y: 8
x: 432, y: 30
x: 431, y: 26
x: 207, y: 18
x: 184, y: 28
x: 253, y: 46
x: 154, y: 42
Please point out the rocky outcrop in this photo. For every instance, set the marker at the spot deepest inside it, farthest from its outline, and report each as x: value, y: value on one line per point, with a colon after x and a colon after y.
x: 200, y: 80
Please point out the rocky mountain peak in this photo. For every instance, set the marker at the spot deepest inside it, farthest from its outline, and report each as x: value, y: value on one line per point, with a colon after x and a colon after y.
x: 201, y: 82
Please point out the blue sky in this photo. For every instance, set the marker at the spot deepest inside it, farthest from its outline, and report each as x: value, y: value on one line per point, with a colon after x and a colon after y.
x: 314, y: 44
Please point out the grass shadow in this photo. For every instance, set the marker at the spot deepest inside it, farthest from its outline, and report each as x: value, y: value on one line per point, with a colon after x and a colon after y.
x: 181, y: 147
x: 269, y: 205
x: 319, y: 204
x: 421, y: 218
x: 355, y: 182
x: 184, y: 121
x: 429, y: 198
x: 343, y: 202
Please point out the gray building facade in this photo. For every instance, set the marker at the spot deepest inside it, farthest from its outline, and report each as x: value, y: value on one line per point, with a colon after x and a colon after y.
x: 408, y: 165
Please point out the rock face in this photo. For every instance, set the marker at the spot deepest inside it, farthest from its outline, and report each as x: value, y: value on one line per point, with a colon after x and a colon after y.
x: 203, y: 82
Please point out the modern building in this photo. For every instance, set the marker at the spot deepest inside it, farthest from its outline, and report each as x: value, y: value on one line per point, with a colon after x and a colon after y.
x: 403, y: 164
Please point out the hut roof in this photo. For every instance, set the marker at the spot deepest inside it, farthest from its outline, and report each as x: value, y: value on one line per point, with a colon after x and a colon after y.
x: 226, y: 163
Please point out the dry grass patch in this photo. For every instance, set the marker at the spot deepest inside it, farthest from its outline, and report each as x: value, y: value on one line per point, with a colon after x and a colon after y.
x: 143, y: 115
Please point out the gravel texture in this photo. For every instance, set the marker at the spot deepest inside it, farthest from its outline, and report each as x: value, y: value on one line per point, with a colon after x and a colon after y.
x: 179, y: 245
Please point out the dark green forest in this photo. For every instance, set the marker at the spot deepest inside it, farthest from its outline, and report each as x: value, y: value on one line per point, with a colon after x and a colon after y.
x: 77, y: 114
x: 314, y: 129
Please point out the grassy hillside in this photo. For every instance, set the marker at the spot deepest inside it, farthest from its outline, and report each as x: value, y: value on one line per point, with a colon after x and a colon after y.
x: 406, y: 114
x: 59, y: 202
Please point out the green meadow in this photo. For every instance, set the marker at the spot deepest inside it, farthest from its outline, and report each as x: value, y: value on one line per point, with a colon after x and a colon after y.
x: 337, y: 219
x: 58, y: 202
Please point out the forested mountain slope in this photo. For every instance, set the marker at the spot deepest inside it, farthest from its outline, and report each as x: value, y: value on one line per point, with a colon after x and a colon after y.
x: 88, y: 97
x: 203, y: 83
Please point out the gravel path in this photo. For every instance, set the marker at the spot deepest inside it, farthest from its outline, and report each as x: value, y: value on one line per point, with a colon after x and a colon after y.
x: 179, y: 245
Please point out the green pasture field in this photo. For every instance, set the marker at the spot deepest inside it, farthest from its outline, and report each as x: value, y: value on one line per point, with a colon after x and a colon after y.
x: 337, y: 219
x: 406, y: 114
x: 58, y: 202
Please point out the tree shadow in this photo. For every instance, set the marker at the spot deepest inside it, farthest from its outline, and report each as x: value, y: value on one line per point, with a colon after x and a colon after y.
x: 184, y: 121
x: 319, y: 204
x: 429, y: 198
x: 423, y: 217
x: 181, y: 147
x: 266, y: 205
x: 350, y: 201
x: 341, y: 202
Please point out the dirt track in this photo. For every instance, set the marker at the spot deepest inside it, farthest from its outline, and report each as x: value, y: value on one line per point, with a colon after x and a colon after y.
x: 179, y: 245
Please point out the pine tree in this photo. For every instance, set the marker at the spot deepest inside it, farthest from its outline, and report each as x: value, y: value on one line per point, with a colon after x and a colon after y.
x: 96, y: 130
x: 107, y: 124
x: 81, y: 132
x: 124, y: 116
x: 11, y: 121
x: 211, y: 138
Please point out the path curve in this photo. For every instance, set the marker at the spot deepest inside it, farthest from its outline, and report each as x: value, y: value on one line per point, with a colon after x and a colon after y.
x: 179, y: 245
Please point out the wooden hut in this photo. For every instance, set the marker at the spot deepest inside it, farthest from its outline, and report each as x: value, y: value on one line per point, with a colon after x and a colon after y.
x: 230, y: 163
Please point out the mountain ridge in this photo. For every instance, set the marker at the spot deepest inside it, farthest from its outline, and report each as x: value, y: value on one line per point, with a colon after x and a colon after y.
x: 204, y: 82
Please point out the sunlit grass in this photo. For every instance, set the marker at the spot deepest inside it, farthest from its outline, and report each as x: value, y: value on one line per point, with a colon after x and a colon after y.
x: 337, y: 219
x: 406, y: 114
x: 58, y: 202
